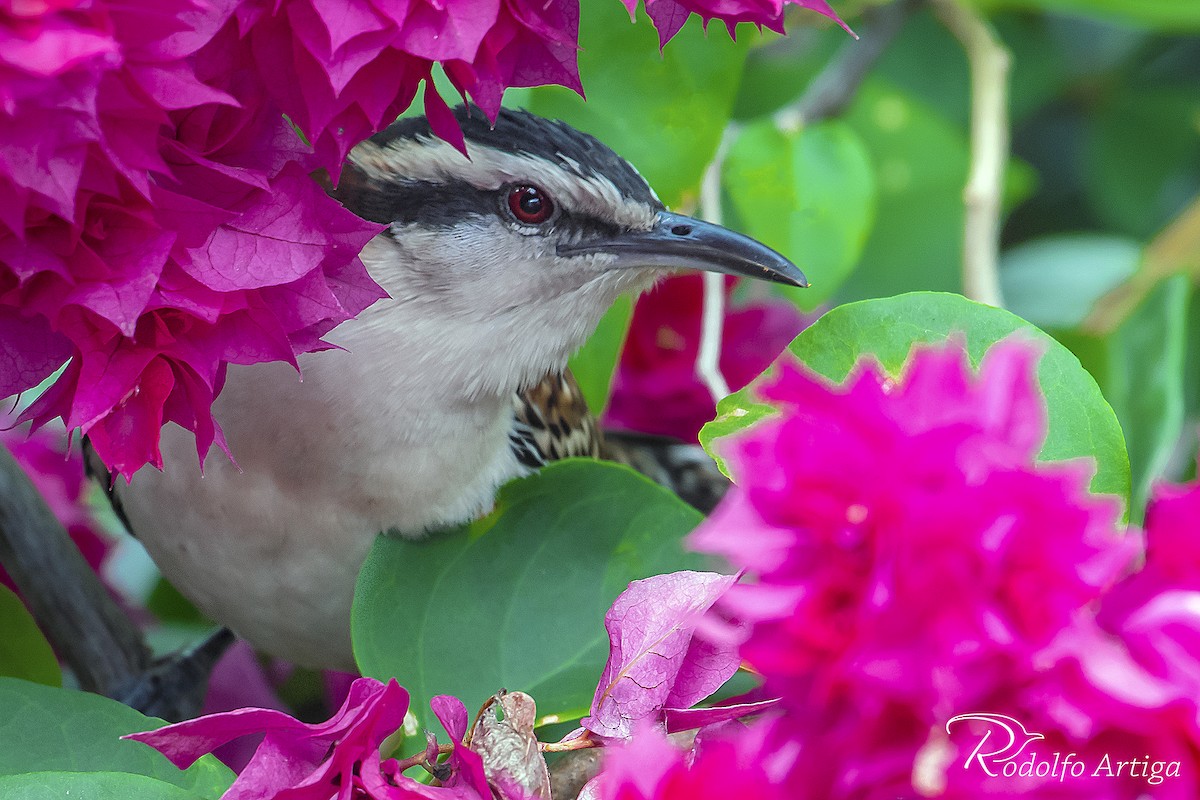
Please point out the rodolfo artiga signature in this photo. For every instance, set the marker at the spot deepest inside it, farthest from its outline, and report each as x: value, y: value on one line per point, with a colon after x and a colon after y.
x: 1006, y: 749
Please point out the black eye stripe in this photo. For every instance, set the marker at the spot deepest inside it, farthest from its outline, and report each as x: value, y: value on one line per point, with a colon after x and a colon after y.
x: 444, y: 205
x: 436, y: 205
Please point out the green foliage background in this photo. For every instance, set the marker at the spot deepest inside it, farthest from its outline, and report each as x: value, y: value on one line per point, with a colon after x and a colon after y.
x: 1105, y: 125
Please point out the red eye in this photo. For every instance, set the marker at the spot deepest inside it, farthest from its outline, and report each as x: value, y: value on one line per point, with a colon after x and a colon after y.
x: 530, y: 205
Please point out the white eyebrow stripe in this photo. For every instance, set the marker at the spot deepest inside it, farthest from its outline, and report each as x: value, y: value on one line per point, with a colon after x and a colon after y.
x: 433, y: 160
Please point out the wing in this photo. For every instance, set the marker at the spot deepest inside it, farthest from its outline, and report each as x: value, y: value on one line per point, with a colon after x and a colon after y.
x: 551, y: 420
x: 683, y: 468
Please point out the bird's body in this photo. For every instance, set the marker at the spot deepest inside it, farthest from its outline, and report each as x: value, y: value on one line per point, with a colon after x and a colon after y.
x: 433, y: 397
x: 363, y: 443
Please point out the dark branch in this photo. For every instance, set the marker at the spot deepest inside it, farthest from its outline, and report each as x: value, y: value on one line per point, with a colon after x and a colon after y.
x: 86, y: 627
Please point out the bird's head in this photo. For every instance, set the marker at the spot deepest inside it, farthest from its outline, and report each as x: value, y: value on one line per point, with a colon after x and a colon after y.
x: 541, y: 227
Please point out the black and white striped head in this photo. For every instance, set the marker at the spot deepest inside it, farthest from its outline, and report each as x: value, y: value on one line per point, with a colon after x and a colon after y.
x: 414, y: 178
x: 539, y: 230
x: 537, y: 188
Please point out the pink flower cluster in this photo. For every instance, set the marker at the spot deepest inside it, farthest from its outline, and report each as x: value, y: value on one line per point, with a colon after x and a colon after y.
x: 912, y: 564
x: 158, y: 221
x: 669, y: 16
x: 339, y: 758
x: 656, y: 389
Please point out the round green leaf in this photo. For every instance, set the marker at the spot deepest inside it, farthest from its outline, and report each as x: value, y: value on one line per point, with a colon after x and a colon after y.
x: 24, y: 651
x: 665, y: 113
x: 517, y: 600
x: 810, y: 194
x: 45, y: 729
x: 90, y: 786
x: 1081, y: 423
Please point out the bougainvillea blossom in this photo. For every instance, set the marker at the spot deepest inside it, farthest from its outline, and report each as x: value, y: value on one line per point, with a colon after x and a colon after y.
x: 655, y: 661
x: 157, y: 220
x: 727, y: 762
x: 911, y: 556
x: 180, y: 233
x: 339, y: 758
x: 293, y: 755
x: 656, y: 389
x: 669, y: 16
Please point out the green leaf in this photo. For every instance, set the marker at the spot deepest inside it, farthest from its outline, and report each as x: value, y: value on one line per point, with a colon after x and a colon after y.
x: 1141, y: 369
x: 517, y: 600
x: 1081, y: 423
x: 1171, y: 15
x: 24, y: 651
x: 920, y: 166
x: 595, y: 363
x: 1145, y: 383
x: 45, y: 729
x: 666, y: 114
x: 1142, y: 160
x: 1055, y: 281
x: 90, y: 786
x: 810, y: 194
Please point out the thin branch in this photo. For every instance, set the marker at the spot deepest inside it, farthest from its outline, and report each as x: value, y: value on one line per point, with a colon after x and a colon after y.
x: 708, y: 359
x: 828, y: 94
x: 832, y: 90
x: 989, y: 62
x: 86, y: 627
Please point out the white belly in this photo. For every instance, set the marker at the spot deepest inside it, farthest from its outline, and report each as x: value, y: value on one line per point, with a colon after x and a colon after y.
x: 272, y: 547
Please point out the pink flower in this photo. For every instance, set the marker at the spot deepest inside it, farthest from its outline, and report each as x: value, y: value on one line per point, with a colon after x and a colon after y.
x: 655, y: 388
x: 1121, y: 684
x: 298, y: 761
x: 911, y: 556
x: 157, y: 219
x: 670, y: 15
x: 727, y: 762
x: 168, y: 244
x: 1134, y: 670
x: 656, y: 665
x: 360, y: 63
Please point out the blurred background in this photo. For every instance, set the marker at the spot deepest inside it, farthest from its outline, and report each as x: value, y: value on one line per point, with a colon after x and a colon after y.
x: 851, y: 157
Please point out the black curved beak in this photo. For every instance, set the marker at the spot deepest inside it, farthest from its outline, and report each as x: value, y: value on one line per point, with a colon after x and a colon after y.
x: 681, y: 242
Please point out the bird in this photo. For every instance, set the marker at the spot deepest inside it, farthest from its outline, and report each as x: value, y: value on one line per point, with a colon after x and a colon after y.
x: 498, y: 264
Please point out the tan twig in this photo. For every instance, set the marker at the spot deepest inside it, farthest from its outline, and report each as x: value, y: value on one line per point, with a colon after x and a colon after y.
x: 708, y: 359
x: 989, y: 63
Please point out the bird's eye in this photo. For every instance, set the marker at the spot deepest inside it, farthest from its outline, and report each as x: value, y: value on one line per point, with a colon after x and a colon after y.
x: 530, y: 205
